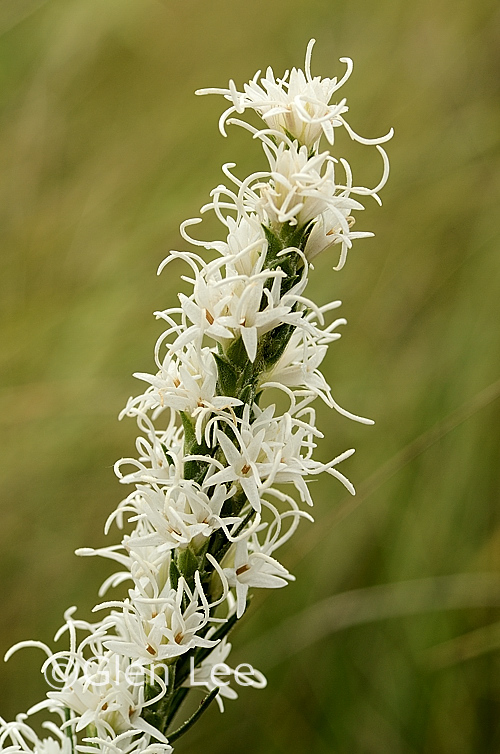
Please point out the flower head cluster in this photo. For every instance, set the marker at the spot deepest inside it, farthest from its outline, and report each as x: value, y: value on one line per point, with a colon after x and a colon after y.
x: 220, y: 480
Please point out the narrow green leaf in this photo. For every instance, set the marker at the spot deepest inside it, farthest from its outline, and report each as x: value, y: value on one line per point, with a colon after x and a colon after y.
x: 195, y: 470
x: 227, y: 375
x: 247, y: 393
x: 274, y: 344
x: 174, y: 574
x: 237, y: 355
x: 189, y: 435
x: 187, y: 564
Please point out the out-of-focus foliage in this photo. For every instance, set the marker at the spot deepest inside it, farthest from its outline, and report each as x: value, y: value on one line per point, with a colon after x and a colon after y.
x: 103, y: 151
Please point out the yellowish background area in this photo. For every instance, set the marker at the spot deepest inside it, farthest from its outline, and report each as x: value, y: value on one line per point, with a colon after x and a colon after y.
x: 104, y: 150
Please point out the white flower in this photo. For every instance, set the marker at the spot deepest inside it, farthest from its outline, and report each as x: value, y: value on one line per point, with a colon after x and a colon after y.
x: 186, y: 382
x: 248, y: 308
x: 242, y: 464
x: 160, y: 455
x: 99, y: 688
x: 273, y: 450
x: 297, y: 104
x: 158, y: 628
x: 254, y: 569
x: 208, y: 674
x: 301, y: 186
x: 246, y: 246
x: 206, y: 308
x: 176, y: 516
x: 249, y: 319
x: 104, y: 695
x: 333, y: 227
x: 299, y: 365
x: 24, y: 739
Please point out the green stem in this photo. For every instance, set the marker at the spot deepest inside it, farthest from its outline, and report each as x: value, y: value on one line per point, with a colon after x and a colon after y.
x: 69, y: 732
x: 177, y: 700
x: 191, y: 721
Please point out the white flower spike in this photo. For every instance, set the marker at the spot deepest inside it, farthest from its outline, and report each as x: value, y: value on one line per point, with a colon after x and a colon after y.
x: 207, y: 510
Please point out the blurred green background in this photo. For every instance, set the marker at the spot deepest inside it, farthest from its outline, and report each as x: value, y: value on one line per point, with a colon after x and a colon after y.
x: 104, y: 150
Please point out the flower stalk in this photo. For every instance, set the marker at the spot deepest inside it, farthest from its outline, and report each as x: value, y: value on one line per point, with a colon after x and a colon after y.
x: 220, y: 481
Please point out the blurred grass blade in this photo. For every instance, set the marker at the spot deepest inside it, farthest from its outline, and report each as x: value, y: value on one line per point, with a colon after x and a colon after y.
x: 376, y: 603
